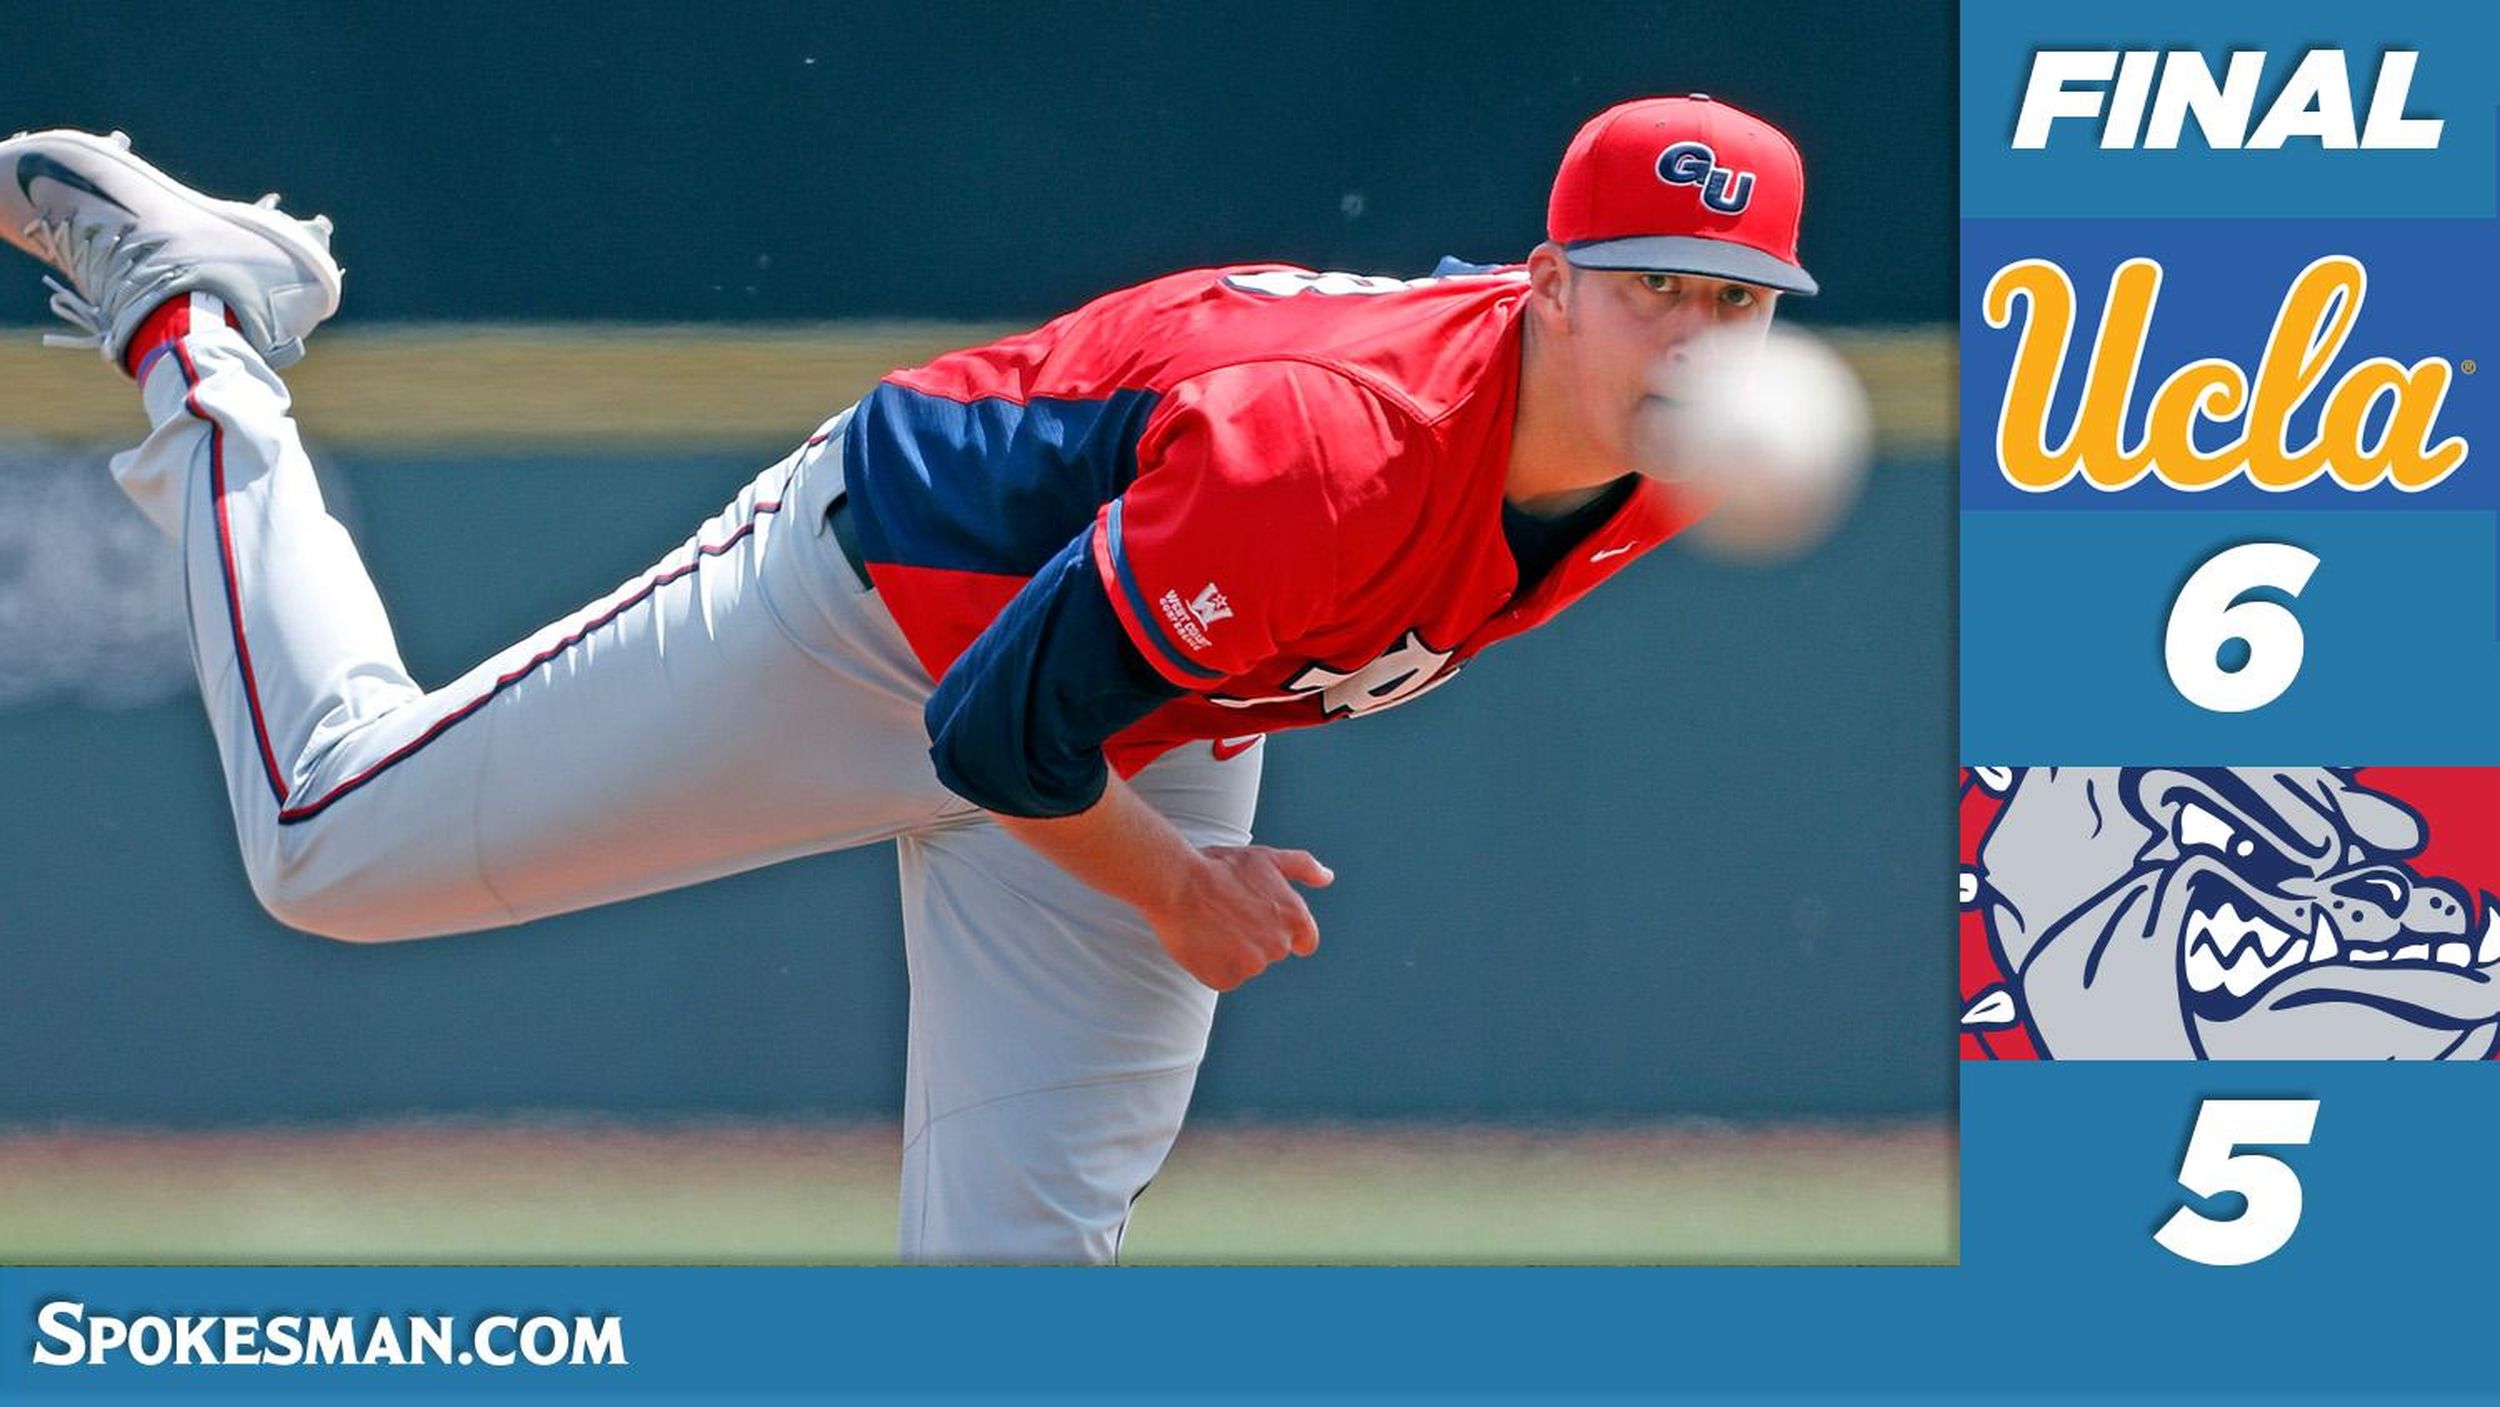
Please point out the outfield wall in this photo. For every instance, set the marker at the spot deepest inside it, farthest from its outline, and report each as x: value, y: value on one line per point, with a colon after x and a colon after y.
x: 746, y: 159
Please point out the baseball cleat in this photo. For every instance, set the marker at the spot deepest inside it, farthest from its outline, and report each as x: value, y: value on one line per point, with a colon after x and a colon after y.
x: 127, y: 237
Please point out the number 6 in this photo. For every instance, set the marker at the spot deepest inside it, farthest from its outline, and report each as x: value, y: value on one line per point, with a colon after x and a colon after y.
x: 2210, y: 1169
x: 2209, y: 614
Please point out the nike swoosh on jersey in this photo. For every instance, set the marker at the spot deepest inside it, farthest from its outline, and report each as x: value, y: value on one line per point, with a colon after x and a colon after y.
x: 35, y: 164
x: 1602, y: 555
x: 1226, y: 749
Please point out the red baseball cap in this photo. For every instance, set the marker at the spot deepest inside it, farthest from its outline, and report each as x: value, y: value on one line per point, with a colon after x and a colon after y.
x: 1682, y: 186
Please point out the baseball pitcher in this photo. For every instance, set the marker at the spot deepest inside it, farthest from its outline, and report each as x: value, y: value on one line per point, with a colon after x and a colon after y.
x: 1026, y: 611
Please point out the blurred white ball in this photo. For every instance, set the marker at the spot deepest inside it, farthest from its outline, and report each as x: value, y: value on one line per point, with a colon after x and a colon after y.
x: 1773, y: 431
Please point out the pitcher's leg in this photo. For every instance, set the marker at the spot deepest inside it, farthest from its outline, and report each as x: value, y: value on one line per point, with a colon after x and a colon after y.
x: 1046, y: 1177
x: 1054, y: 1044
x: 675, y: 730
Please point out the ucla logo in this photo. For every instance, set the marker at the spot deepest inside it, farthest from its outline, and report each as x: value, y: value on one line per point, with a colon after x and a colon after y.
x: 2378, y: 422
x: 1723, y: 189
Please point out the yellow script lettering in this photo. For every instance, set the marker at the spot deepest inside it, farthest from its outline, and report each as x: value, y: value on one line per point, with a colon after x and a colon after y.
x: 2311, y: 326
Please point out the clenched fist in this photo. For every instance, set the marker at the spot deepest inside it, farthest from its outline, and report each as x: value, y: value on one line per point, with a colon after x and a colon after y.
x: 1237, y: 911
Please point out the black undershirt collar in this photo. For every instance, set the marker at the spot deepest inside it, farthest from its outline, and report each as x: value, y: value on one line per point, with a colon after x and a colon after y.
x: 1538, y: 544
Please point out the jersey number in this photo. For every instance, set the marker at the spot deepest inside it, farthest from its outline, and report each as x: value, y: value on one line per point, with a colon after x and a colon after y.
x: 1404, y: 671
x: 1284, y: 283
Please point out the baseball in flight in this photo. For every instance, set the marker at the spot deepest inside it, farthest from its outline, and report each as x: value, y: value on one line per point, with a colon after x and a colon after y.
x: 1774, y: 431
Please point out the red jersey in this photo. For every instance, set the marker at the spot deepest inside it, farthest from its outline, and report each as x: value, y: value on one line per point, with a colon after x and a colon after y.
x: 1291, y: 482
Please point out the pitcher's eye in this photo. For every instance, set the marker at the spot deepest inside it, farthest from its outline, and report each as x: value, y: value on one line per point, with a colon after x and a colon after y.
x: 1737, y: 295
x: 1660, y: 283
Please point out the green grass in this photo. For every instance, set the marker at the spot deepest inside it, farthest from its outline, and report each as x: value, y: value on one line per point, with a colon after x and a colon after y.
x: 572, y: 1193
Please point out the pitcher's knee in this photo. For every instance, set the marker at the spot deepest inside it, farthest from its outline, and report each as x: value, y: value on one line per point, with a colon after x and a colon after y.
x: 966, y: 1203
x: 373, y: 901
x: 1045, y: 1177
x: 325, y: 913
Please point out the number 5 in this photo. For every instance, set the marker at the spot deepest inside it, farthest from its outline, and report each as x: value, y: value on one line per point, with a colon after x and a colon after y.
x: 2210, y: 1169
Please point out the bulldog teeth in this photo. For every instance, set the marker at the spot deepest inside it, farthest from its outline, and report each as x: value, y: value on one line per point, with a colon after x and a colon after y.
x: 2254, y: 971
x: 2245, y: 975
x: 2229, y: 933
x: 2228, y: 930
x: 1995, y: 1007
x: 2226, y: 952
x: 2203, y: 969
x: 2325, y: 943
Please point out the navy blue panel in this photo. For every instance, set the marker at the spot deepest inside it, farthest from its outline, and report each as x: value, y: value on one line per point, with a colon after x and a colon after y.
x: 1019, y: 721
x: 1127, y: 583
x: 989, y: 485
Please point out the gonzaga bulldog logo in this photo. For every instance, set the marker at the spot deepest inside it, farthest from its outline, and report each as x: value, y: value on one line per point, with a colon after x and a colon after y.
x: 2215, y: 913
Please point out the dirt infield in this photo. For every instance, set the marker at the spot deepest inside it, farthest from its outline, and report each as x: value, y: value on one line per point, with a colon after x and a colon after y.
x: 578, y: 1193
x: 645, y: 387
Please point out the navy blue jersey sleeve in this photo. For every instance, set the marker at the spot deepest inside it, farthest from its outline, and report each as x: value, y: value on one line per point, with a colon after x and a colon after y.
x: 1017, y: 726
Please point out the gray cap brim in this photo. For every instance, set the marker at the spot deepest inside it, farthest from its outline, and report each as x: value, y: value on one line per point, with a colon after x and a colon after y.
x: 1691, y: 254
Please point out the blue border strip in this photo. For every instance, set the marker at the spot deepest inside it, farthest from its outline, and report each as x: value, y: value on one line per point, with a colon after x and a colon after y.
x: 2061, y: 1289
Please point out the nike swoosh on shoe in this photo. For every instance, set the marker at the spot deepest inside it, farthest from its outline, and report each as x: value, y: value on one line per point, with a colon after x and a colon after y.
x: 35, y: 165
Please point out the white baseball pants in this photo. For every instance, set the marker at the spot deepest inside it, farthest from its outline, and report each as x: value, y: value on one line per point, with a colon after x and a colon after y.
x: 743, y: 702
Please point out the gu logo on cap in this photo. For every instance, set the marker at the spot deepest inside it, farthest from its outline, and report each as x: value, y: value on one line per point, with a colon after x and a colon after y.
x: 1695, y: 164
x: 1682, y: 185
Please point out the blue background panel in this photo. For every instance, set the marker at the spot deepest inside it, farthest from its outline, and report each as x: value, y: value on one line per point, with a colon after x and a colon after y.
x: 2063, y: 619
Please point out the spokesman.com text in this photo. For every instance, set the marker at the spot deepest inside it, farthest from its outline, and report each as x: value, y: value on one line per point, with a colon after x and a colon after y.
x: 68, y: 1335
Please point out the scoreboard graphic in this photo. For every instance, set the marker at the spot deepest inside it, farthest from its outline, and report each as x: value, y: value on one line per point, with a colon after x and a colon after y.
x: 2228, y: 553
x: 2230, y: 509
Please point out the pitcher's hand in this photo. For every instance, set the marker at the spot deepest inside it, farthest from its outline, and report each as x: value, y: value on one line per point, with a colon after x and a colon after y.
x: 1237, y: 912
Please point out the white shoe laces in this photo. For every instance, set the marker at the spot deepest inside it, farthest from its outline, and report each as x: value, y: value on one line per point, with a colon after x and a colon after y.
x: 101, y: 262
